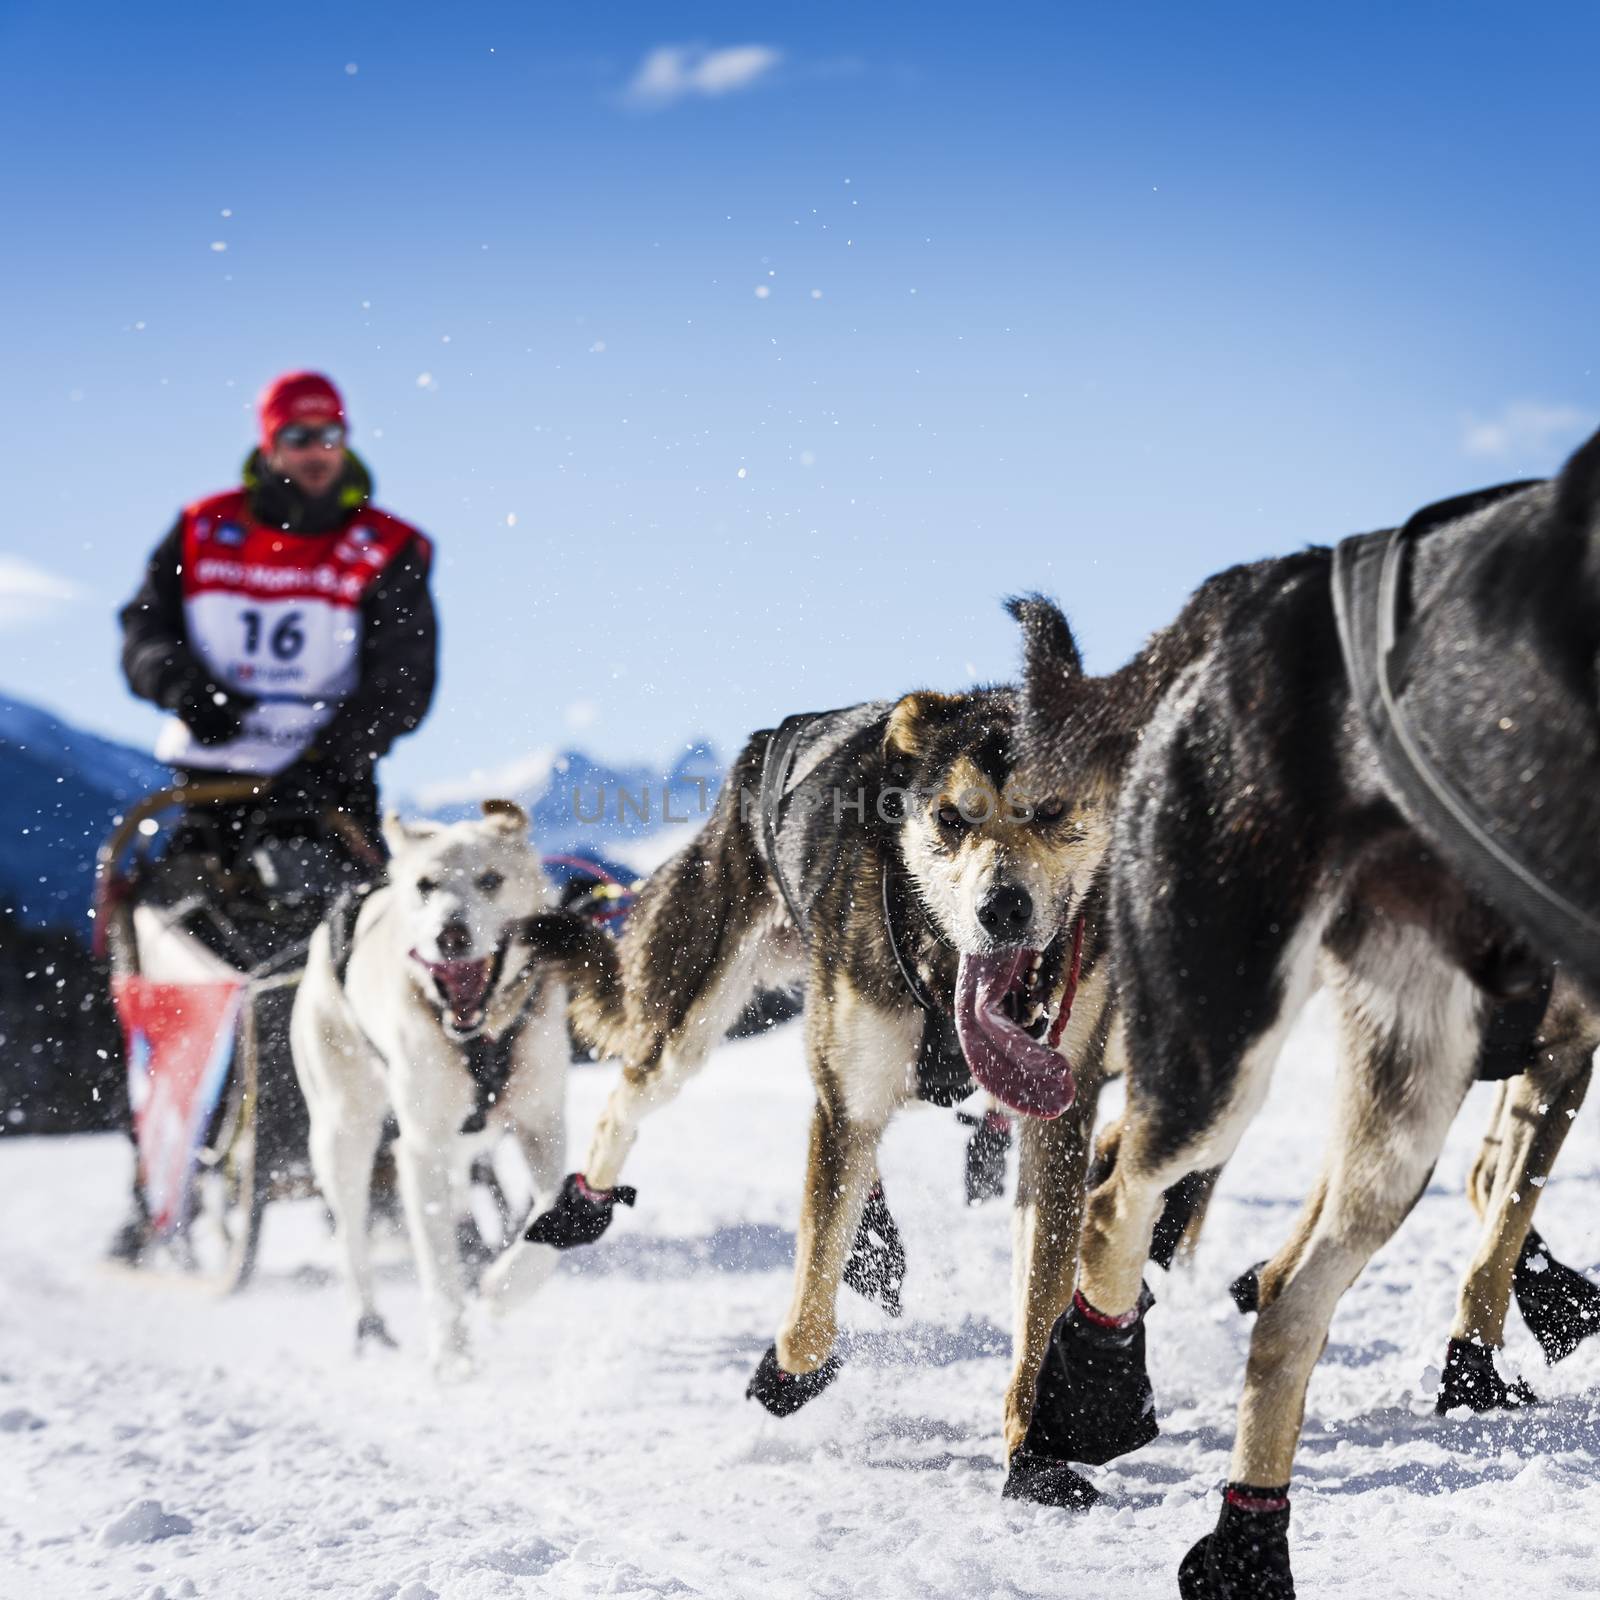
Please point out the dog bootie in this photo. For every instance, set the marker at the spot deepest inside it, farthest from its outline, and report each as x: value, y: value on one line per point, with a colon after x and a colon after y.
x: 1470, y: 1380
x: 580, y: 1214
x: 1560, y: 1306
x: 986, y: 1156
x: 1093, y: 1400
x: 877, y: 1264
x: 372, y: 1329
x: 1245, y: 1290
x: 783, y: 1393
x: 1247, y: 1557
x: 1047, y: 1482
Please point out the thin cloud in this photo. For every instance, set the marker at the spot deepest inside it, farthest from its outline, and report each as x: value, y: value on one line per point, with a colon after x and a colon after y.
x: 30, y: 594
x: 675, y: 72
x: 1524, y: 429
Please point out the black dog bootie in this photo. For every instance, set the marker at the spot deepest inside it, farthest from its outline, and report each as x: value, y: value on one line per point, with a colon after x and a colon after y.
x: 580, y: 1214
x: 783, y: 1393
x: 1247, y: 1556
x: 1470, y: 1380
x: 1093, y: 1401
x: 877, y: 1264
x: 1561, y: 1307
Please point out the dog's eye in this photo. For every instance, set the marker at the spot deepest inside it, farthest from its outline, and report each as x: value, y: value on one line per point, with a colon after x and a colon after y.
x: 950, y: 817
x: 425, y: 887
x: 491, y: 882
x: 1051, y: 810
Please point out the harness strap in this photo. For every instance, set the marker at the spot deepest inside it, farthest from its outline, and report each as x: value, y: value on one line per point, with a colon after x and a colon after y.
x: 1525, y: 897
x: 919, y: 991
x: 342, y: 917
x: 776, y: 765
x: 489, y: 1063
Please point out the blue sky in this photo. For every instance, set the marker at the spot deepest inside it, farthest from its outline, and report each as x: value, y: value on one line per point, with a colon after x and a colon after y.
x: 788, y: 370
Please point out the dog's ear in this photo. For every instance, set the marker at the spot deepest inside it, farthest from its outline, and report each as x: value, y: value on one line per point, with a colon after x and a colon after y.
x: 913, y: 723
x: 1052, y: 669
x: 1578, y: 487
x: 506, y: 814
x: 397, y: 833
x: 1049, y: 652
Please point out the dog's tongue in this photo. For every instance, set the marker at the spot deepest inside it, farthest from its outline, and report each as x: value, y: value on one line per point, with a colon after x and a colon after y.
x: 1014, y: 1067
x: 465, y: 984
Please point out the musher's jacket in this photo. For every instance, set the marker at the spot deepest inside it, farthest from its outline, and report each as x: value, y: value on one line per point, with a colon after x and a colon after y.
x: 319, y: 611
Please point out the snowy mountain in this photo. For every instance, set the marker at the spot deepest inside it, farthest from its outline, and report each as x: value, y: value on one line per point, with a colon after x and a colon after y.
x: 60, y: 792
x: 62, y: 788
x: 575, y: 800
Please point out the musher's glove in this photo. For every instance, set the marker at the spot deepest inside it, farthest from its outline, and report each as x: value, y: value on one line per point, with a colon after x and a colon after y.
x: 213, y: 714
x: 580, y: 1214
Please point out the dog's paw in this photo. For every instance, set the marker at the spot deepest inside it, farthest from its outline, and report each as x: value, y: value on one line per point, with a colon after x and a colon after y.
x: 1560, y: 1306
x: 1246, y: 1557
x: 514, y: 1275
x: 1245, y: 1290
x: 986, y: 1156
x: 580, y: 1215
x: 1047, y: 1482
x: 877, y: 1265
x: 1093, y: 1400
x: 1470, y: 1380
x: 783, y: 1393
x: 372, y: 1332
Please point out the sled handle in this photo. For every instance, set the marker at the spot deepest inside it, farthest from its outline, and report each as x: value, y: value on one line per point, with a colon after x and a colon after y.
x: 192, y: 794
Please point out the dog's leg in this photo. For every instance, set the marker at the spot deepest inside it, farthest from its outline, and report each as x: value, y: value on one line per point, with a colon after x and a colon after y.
x: 1046, y: 1222
x: 1410, y: 1026
x: 523, y: 1267
x: 840, y: 1169
x: 344, y: 1137
x: 859, y: 1059
x: 426, y: 1191
x: 1093, y: 1400
x: 346, y: 1098
x: 1561, y: 1307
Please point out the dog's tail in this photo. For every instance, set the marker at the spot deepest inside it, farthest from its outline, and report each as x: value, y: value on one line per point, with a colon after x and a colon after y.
x: 585, y: 959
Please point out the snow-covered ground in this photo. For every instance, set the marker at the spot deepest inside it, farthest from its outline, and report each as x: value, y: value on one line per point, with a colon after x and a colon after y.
x: 155, y: 1442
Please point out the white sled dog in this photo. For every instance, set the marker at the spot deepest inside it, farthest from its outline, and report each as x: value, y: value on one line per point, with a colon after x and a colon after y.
x: 420, y: 1000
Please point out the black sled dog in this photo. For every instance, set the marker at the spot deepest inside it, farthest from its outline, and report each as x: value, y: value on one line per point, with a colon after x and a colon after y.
x: 1373, y: 768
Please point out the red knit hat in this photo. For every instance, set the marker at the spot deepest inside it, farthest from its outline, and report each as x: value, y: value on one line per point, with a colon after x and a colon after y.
x: 297, y: 397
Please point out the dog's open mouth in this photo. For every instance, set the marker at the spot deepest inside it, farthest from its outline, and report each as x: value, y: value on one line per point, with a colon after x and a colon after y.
x: 463, y: 989
x: 1001, y: 1016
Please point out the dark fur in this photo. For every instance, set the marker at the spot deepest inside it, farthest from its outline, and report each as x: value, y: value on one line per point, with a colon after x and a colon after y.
x: 1252, y: 816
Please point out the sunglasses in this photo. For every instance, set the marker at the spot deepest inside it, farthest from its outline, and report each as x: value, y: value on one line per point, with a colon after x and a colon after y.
x: 302, y: 436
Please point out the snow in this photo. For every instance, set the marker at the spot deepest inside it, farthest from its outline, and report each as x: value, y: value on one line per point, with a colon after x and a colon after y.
x: 604, y: 1447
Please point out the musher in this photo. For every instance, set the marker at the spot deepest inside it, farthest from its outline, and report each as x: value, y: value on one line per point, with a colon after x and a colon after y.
x: 287, y: 627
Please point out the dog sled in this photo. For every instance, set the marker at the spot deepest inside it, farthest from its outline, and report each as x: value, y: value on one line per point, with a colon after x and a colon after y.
x: 206, y: 940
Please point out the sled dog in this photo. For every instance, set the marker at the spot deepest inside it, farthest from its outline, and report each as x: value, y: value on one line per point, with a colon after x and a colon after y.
x: 421, y: 1001
x: 1375, y: 767
x: 882, y: 855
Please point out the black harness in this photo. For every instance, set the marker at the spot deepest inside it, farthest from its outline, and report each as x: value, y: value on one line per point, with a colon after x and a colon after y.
x: 488, y: 1060
x: 943, y: 1078
x: 1374, y: 608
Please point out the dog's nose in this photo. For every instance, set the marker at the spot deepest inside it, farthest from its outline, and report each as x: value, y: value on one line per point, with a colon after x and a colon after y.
x: 455, y: 939
x: 1006, y: 911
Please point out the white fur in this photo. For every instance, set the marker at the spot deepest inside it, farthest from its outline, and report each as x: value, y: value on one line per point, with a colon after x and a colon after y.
x: 377, y: 1045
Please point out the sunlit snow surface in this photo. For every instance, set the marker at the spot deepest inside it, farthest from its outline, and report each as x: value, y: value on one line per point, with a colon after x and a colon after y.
x: 155, y: 1443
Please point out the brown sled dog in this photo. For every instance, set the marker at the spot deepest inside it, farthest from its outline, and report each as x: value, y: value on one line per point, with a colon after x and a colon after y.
x: 878, y: 854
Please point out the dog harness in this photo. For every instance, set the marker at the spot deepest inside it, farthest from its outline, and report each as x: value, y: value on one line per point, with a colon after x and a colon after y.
x: 1373, y: 602
x: 488, y: 1060
x: 794, y: 750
